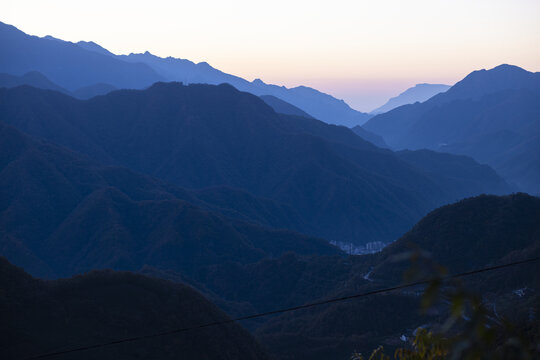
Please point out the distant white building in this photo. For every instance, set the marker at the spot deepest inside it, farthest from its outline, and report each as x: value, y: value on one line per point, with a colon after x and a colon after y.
x: 353, y: 249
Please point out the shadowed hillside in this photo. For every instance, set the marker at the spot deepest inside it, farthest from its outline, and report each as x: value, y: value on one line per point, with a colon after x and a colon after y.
x: 342, y: 187
x: 39, y: 317
x: 471, y: 234
x: 61, y: 214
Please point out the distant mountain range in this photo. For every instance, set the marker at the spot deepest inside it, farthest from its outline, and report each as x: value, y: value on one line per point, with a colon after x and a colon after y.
x: 33, y: 78
x: 417, y: 93
x: 490, y: 115
x: 369, y: 136
x: 40, y: 81
x: 84, y: 64
x: 340, y: 186
x: 283, y: 107
x: 231, y: 194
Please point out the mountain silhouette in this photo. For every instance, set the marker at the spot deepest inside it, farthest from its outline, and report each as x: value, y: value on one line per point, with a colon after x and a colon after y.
x: 484, y: 82
x: 79, y: 65
x: 67, y: 64
x: 201, y: 136
x: 283, y: 107
x: 492, y: 116
x: 417, y: 93
x: 33, y: 78
x: 39, y: 317
x: 90, y: 91
x: 369, y: 136
x: 40, y: 81
x: 319, y: 105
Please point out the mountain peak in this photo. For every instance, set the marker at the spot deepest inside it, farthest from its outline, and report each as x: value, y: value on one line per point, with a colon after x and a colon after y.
x: 417, y: 93
x: 482, y: 82
x: 92, y: 46
x: 508, y: 67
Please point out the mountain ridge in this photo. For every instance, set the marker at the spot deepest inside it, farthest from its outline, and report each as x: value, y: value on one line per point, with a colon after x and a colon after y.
x: 39, y: 317
x: 83, y: 64
x: 215, y: 135
x: 417, y: 93
x: 490, y: 115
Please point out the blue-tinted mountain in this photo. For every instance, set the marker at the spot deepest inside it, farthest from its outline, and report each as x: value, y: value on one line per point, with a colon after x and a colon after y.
x: 417, y: 93
x: 198, y: 136
x: 40, y: 81
x: 484, y: 82
x: 92, y: 46
x: 492, y: 116
x: 82, y: 64
x: 283, y: 107
x: 369, y: 136
x: 39, y: 317
x: 33, y: 78
x: 62, y: 214
x: 319, y: 105
x: 67, y: 64
x: 90, y: 91
x: 473, y: 233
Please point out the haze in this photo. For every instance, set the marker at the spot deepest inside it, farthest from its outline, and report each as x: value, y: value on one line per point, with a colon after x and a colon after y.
x: 361, y: 51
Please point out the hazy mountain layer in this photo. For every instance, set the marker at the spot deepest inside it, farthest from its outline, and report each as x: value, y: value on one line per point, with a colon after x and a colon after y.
x: 62, y: 214
x: 85, y: 64
x: 342, y: 187
x: 67, y: 64
x: 417, y: 93
x: 492, y: 116
x: 283, y: 107
x: 40, y: 81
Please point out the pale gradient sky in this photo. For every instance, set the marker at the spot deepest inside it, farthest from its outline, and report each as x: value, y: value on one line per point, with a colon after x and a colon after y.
x: 360, y: 51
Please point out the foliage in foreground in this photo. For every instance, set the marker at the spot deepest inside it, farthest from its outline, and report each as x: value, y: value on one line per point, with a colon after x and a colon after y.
x: 470, y: 331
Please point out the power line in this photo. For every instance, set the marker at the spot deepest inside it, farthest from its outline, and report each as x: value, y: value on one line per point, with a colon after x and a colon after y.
x: 280, y: 311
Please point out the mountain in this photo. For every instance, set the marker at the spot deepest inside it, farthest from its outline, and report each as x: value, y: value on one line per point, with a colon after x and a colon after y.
x: 492, y: 116
x: 369, y: 136
x: 40, y: 81
x: 319, y: 105
x: 92, y: 46
x: 90, y: 91
x: 417, y: 93
x: 32, y: 78
x: 342, y: 187
x: 483, y: 82
x: 78, y: 65
x: 62, y: 214
x: 283, y: 107
x: 39, y: 317
x: 471, y: 234
x: 67, y: 64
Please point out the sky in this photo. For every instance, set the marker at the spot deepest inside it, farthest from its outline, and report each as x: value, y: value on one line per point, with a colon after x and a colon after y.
x: 361, y: 51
